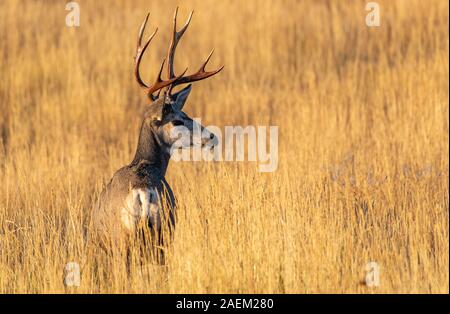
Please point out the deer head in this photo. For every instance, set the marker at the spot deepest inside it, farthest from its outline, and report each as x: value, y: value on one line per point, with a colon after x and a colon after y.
x: 165, y: 113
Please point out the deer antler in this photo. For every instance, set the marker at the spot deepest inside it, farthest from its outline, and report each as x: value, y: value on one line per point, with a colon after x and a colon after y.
x: 176, y: 36
x: 159, y: 83
x: 173, y: 79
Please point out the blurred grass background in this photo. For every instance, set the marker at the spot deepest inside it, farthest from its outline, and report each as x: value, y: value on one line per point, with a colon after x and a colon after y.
x: 363, y: 144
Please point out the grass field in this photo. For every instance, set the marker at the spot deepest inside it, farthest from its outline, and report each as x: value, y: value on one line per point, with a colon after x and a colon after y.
x: 363, y: 172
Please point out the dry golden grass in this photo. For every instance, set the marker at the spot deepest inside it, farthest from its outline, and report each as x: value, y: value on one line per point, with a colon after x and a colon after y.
x: 363, y: 145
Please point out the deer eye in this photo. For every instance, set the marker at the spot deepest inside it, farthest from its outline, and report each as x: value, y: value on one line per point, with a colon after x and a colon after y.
x: 177, y: 122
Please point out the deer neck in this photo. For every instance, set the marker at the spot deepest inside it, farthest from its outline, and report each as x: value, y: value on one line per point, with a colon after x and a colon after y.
x: 151, y: 150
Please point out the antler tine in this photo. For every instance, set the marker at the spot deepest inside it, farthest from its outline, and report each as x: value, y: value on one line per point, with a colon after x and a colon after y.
x: 140, y: 51
x: 176, y: 36
x: 200, y: 74
x: 141, y: 31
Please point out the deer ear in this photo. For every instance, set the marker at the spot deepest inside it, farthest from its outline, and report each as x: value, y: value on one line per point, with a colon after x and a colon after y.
x: 181, y: 96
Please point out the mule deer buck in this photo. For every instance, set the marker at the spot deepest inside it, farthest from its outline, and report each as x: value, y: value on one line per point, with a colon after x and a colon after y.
x: 138, y: 194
